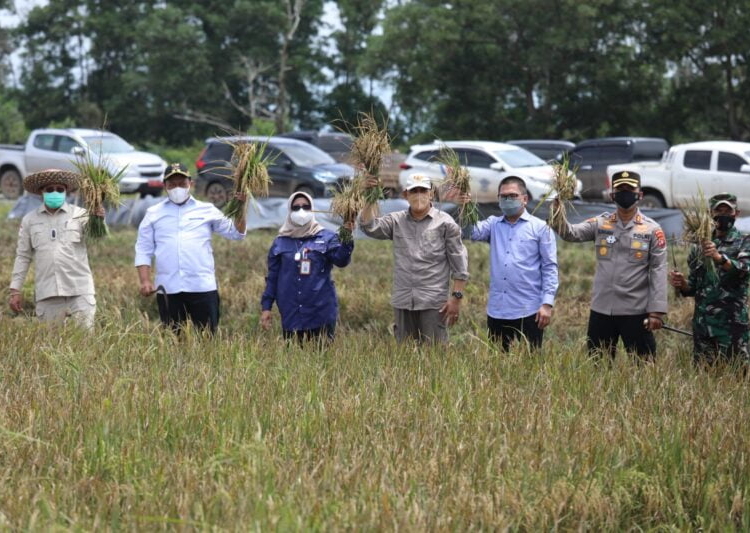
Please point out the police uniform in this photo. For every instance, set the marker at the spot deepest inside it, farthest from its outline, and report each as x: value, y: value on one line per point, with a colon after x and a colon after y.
x: 631, y: 276
x: 720, y: 320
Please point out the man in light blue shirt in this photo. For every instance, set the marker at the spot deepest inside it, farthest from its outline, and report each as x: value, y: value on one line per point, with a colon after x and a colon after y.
x: 523, y: 268
x: 177, y: 234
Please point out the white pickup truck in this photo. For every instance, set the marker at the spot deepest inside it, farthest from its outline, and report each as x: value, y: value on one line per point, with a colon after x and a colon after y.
x: 711, y: 166
x: 59, y: 148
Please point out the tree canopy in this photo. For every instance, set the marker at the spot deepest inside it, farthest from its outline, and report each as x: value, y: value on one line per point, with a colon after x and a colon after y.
x: 180, y: 70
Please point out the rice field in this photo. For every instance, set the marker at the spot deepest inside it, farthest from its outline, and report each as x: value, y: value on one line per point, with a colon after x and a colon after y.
x: 131, y: 428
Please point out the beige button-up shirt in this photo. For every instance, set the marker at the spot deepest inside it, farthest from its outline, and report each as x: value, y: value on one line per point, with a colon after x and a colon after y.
x: 55, y: 242
x: 631, y: 266
x: 427, y: 253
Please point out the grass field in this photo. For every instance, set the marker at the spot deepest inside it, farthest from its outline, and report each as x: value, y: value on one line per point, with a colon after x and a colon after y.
x: 130, y: 428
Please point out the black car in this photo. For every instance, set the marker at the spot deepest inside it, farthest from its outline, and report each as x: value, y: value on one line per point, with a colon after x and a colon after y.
x: 296, y: 166
x: 336, y: 144
x: 545, y: 149
x: 591, y: 158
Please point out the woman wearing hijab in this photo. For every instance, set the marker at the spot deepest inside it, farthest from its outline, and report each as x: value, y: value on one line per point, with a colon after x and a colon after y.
x: 299, y: 273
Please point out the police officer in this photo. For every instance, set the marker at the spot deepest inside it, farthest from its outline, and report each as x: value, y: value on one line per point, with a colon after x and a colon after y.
x: 720, y: 323
x: 629, y: 295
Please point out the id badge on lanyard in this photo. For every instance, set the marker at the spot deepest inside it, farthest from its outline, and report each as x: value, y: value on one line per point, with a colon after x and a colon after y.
x: 304, y: 262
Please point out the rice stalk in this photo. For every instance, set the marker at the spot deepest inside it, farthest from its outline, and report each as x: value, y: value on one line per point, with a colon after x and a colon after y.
x: 248, y: 168
x: 458, y: 179
x: 699, y: 227
x: 99, y: 188
x: 563, y: 189
x: 347, y: 203
x: 371, y: 143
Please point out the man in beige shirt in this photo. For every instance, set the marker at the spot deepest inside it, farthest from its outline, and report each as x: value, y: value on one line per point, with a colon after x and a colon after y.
x: 53, y: 237
x: 427, y: 253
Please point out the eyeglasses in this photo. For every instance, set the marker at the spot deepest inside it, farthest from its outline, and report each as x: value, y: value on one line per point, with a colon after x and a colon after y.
x: 298, y: 207
x: 54, y: 189
x: 512, y: 196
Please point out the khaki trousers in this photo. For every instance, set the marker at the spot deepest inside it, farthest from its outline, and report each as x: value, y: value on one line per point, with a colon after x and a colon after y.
x: 423, y: 326
x: 58, y: 308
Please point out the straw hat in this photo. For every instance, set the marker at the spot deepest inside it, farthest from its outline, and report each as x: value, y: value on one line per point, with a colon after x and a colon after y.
x: 34, y: 183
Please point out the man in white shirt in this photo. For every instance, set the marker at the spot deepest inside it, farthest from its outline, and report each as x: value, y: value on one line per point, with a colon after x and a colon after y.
x: 177, y: 233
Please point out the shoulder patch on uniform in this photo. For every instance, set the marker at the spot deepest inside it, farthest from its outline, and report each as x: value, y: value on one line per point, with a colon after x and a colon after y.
x: 661, y: 240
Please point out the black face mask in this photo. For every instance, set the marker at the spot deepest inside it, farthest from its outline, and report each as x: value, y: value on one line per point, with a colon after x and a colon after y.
x: 724, y: 222
x: 625, y: 199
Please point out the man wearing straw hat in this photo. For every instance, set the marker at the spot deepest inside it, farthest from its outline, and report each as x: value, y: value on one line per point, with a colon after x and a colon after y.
x: 629, y: 294
x: 427, y: 253
x: 720, y: 321
x: 53, y: 237
x: 176, y: 233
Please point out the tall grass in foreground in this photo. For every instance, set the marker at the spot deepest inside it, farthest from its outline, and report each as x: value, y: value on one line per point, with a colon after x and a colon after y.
x: 133, y: 428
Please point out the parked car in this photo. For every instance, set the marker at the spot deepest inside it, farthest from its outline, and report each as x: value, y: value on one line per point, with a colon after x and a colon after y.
x: 710, y: 167
x: 296, y: 166
x: 61, y: 148
x: 336, y: 144
x: 591, y: 157
x: 488, y: 163
x: 339, y: 145
x: 545, y: 149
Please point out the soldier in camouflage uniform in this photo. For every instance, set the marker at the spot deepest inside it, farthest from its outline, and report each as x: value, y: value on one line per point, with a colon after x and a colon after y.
x: 720, y: 323
x: 629, y: 296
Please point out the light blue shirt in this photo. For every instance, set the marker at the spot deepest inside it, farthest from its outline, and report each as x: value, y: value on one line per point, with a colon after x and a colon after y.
x: 523, y: 265
x: 179, y: 237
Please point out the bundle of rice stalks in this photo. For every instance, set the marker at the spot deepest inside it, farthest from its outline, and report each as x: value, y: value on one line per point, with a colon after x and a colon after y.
x: 564, y: 188
x: 347, y: 203
x: 99, y: 188
x: 699, y: 227
x: 458, y: 179
x: 371, y: 143
x: 249, y: 170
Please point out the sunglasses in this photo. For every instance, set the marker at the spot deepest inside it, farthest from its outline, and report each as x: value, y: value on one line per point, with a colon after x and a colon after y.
x: 54, y: 189
x: 298, y: 207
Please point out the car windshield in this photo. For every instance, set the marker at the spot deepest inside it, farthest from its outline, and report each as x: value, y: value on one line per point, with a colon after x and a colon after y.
x: 305, y: 155
x: 518, y: 158
x: 108, y: 144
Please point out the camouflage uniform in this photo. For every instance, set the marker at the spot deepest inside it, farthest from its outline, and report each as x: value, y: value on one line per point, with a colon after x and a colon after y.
x: 720, y: 321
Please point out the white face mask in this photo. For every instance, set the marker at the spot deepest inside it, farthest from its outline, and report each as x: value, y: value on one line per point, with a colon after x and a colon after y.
x: 301, y: 217
x: 179, y: 195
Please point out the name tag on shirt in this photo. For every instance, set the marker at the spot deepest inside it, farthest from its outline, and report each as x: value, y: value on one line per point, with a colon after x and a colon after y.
x: 304, y: 267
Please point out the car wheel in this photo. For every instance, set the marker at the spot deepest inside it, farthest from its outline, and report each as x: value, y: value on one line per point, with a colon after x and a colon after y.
x: 651, y: 201
x: 11, y: 184
x: 306, y: 190
x: 217, y: 194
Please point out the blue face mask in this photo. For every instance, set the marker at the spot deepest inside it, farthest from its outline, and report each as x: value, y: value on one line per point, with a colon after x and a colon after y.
x: 511, y: 206
x: 53, y: 200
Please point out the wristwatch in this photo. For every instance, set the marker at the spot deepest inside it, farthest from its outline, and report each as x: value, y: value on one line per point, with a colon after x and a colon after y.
x: 457, y: 295
x: 724, y: 260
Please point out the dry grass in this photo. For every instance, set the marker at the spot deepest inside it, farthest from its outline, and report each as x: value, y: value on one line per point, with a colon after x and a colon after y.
x: 347, y: 203
x: 371, y: 143
x: 699, y: 227
x: 249, y: 171
x: 563, y: 189
x: 459, y: 181
x: 130, y: 428
x: 98, y: 188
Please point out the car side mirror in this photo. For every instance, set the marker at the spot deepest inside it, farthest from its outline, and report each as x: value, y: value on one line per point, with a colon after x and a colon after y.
x: 78, y: 151
x: 497, y: 166
x: 745, y: 169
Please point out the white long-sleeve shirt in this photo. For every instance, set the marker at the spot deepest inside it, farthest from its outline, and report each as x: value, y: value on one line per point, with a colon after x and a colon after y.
x: 179, y: 237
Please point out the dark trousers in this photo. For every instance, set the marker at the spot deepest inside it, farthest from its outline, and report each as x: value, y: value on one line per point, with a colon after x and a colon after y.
x: 605, y: 330
x: 201, y: 307
x: 505, y: 331
x: 326, y: 332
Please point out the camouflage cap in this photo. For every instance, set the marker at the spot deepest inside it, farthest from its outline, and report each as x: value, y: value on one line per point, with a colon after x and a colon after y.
x: 723, y: 198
